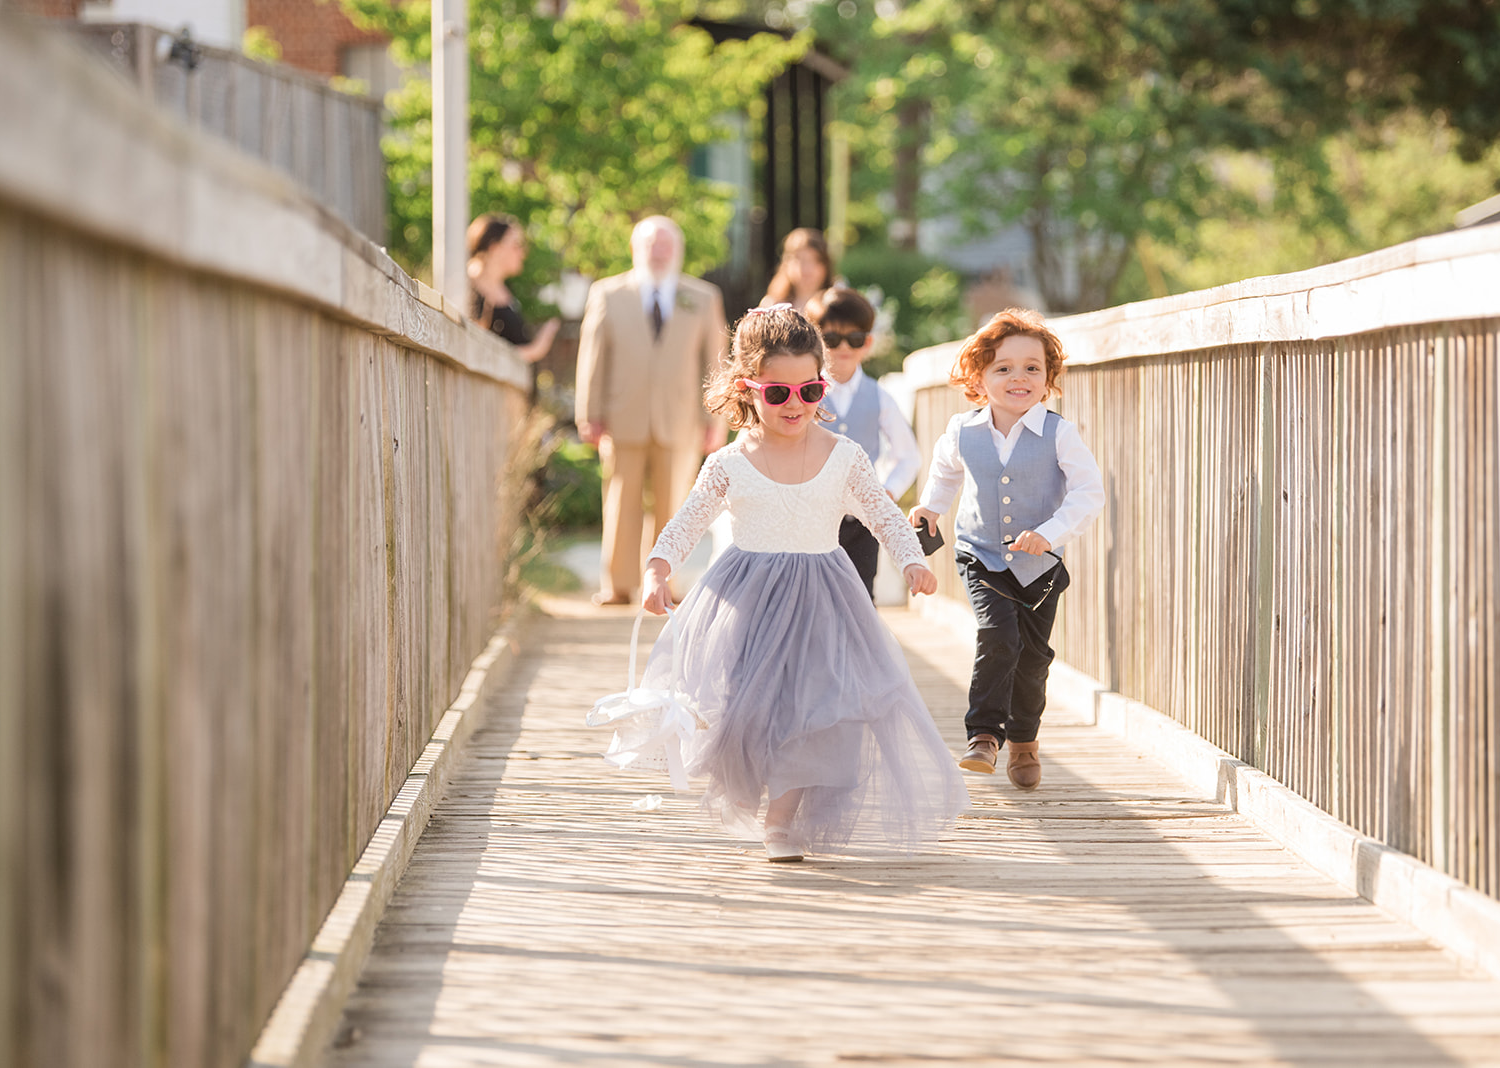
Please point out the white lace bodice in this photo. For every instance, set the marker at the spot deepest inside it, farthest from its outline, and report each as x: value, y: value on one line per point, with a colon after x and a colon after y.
x: 774, y: 517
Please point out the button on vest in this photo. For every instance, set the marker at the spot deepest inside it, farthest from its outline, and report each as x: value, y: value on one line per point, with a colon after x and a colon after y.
x: 1037, y: 488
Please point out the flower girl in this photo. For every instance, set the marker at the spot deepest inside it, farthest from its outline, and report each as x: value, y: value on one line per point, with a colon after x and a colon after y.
x: 818, y: 740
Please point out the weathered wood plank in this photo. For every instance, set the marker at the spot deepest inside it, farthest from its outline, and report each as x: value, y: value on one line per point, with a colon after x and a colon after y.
x: 15, y: 543
x: 195, y: 622
x: 284, y: 642
x: 1030, y: 935
x: 334, y: 422
x: 369, y: 602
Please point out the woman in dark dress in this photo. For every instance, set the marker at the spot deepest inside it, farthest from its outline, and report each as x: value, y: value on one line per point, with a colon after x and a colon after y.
x: 497, y: 252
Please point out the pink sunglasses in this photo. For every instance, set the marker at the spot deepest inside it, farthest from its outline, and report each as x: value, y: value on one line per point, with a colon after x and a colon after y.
x: 778, y: 393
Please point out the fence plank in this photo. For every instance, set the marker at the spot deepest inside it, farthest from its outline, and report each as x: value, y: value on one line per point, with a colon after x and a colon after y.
x: 14, y: 542
x: 205, y: 613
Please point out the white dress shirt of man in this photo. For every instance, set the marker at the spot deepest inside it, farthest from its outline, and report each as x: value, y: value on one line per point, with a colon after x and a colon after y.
x: 649, y: 339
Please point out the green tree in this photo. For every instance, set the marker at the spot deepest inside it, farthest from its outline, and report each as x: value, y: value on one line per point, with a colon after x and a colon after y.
x: 580, y: 123
x: 1058, y: 116
x: 1402, y: 181
x: 1340, y: 62
x: 1103, y: 126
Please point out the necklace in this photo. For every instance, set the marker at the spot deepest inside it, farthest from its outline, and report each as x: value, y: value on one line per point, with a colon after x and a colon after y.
x: 772, y: 455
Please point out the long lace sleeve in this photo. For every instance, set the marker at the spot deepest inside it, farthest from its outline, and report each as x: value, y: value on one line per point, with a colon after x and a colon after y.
x: 866, y: 498
x: 701, y: 508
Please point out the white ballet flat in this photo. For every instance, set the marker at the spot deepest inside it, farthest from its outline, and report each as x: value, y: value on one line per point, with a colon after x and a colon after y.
x: 779, y: 847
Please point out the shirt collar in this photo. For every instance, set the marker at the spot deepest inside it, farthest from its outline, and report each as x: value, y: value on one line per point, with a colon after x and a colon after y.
x: 1035, y: 419
x: 667, y: 285
x: 835, y: 386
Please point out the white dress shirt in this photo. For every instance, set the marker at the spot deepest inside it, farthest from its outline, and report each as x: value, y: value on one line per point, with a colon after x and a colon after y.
x: 651, y: 287
x: 900, y: 455
x: 1085, y: 494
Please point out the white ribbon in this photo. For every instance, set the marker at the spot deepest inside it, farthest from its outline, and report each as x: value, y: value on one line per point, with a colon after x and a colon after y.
x: 673, y: 730
x: 675, y: 721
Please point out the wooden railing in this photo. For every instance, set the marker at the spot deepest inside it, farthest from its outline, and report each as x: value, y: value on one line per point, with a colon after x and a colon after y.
x: 1300, y: 555
x: 254, y: 513
x: 326, y: 139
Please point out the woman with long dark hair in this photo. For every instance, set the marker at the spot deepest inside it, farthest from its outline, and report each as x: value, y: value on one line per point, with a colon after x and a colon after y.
x: 806, y: 269
x: 497, y: 252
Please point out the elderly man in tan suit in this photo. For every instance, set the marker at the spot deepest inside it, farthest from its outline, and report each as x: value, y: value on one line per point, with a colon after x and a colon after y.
x: 649, y: 338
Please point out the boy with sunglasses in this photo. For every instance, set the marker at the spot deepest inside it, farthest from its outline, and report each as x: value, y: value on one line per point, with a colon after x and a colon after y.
x: 863, y: 412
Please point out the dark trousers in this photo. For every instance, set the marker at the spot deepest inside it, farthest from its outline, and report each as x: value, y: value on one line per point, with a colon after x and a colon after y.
x: 863, y: 549
x: 1008, y: 690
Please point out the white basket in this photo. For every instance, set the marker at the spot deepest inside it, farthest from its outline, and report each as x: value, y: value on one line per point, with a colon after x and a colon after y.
x: 651, y: 726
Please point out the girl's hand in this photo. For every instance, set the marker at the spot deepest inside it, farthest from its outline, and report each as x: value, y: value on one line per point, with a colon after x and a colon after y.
x: 920, y: 578
x: 656, y: 595
x: 1031, y: 542
x: 919, y: 513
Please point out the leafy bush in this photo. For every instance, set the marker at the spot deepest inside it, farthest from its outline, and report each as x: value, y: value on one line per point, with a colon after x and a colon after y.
x: 918, y: 300
x: 567, y: 491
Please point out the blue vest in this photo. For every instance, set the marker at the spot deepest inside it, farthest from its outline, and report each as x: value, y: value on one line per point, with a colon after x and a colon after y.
x: 1005, y: 499
x: 862, y: 424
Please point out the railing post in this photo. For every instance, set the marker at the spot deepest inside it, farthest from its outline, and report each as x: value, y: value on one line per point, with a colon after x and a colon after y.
x: 1265, y: 545
x: 1336, y: 776
x: 450, y: 147
x: 1442, y: 603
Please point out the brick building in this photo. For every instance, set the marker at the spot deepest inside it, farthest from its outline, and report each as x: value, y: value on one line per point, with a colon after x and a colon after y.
x: 52, y: 9
x: 319, y: 38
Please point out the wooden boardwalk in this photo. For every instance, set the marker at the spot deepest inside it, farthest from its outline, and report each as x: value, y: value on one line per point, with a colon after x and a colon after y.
x: 1110, y: 918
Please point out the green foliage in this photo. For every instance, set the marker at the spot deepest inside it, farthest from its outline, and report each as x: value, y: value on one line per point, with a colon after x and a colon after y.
x: 1101, y: 125
x: 580, y: 124
x: 1403, y: 181
x: 568, y: 490
x: 1336, y: 64
x: 258, y: 42
x: 921, y: 301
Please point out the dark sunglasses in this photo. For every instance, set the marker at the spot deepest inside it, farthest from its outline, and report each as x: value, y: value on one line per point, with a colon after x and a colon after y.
x: 778, y: 393
x: 1043, y: 590
x: 856, y: 338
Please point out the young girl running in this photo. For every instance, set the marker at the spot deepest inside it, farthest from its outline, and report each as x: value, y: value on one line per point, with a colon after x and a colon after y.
x: 813, y: 715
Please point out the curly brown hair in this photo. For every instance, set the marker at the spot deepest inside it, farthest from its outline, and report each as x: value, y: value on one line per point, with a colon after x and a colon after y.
x: 978, y: 352
x: 760, y: 334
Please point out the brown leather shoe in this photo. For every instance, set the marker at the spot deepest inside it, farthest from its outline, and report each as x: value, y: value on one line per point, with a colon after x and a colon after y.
x: 1023, y: 765
x: 984, y: 750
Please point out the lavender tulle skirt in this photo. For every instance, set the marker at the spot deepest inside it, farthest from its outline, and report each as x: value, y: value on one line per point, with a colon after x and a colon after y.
x: 803, y: 687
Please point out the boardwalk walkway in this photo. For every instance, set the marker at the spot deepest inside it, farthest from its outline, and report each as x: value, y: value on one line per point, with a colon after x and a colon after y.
x: 1111, y: 918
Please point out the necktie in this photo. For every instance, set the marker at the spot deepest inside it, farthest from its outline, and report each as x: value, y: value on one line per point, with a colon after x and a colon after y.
x: 656, y: 319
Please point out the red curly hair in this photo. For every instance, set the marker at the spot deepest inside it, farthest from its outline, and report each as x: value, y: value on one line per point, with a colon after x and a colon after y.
x: 978, y: 352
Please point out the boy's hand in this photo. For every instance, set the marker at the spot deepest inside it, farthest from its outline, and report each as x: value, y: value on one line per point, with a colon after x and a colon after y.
x: 657, y: 595
x: 920, y: 579
x: 1031, y: 542
x: 919, y: 513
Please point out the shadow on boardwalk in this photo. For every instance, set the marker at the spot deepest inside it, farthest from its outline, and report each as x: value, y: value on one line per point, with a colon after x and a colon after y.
x: 1111, y: 917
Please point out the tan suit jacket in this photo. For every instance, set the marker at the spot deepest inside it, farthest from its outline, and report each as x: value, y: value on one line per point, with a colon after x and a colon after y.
x: 642, y: 388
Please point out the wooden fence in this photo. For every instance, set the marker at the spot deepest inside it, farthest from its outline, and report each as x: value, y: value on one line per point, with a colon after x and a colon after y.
x: 1298, y: 558
x: 327, y: 140
x: 254, y: 509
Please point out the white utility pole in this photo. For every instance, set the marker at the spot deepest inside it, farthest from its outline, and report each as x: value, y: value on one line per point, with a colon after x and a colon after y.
x: 450, y: 147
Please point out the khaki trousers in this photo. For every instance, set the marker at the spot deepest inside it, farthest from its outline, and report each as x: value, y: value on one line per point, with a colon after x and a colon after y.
x: 667, y: 471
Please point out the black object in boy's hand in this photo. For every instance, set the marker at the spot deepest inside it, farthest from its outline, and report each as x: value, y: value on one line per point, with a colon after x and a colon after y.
x: 930, y: 537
